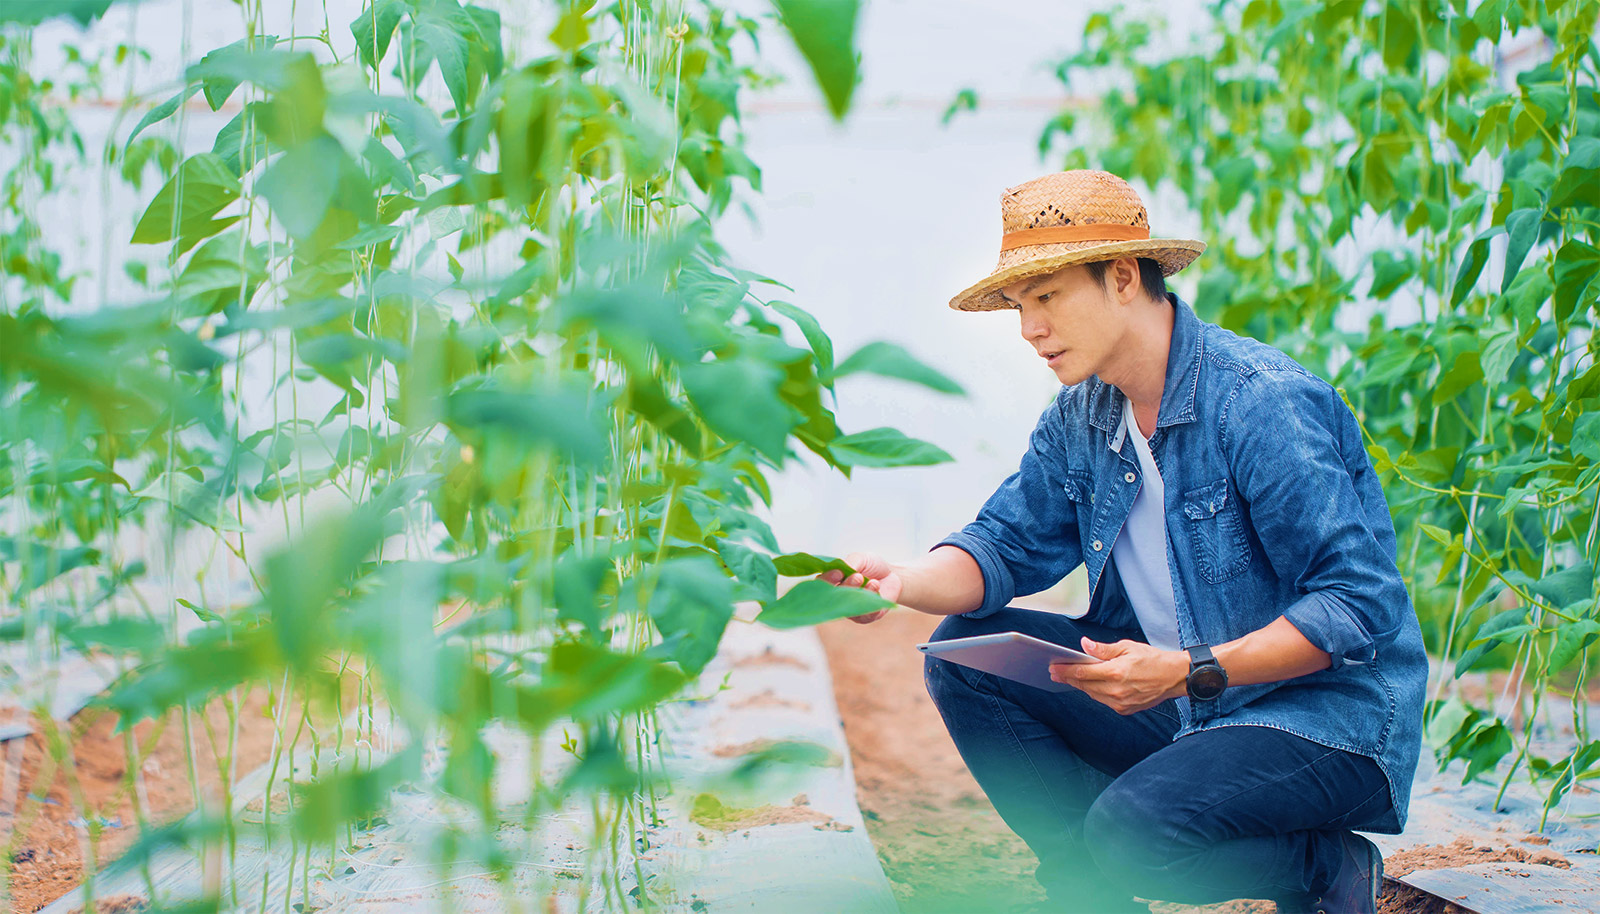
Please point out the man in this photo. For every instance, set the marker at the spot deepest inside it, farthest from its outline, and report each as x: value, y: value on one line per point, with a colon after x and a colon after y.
x: 1262, y: 674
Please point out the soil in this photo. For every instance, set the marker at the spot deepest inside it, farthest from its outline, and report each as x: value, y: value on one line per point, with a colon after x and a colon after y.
x: 47, y: 858
x: 710, y: 812
x: 941, y: 843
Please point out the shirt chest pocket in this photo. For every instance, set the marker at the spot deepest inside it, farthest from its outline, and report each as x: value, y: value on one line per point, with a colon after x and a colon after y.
x: 1216, y: 531
x: 1080, y: 491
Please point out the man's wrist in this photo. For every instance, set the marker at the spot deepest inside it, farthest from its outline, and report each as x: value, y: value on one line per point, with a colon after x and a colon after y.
x: 1180, y: 674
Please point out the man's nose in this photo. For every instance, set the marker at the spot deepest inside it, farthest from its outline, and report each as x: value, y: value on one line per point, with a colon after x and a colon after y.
x: 1032, y: 326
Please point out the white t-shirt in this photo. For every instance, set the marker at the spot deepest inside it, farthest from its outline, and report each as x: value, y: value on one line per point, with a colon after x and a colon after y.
x: 1141, y: 547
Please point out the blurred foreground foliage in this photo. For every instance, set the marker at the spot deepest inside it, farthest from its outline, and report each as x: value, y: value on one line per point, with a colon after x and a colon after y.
x: 1405, y: 195
x: 458, y: 315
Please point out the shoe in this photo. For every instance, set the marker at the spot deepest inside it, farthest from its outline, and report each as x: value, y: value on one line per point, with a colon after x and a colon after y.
x: 1355, y: 887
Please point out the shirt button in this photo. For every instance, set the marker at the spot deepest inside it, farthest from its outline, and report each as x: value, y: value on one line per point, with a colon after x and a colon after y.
x: 1098, y: 545
x: 1128, y: 476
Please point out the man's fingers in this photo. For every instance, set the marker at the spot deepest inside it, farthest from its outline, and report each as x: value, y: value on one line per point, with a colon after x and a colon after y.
x: 833, y: 576
x: 855, y: 580
x: 1091, y: 672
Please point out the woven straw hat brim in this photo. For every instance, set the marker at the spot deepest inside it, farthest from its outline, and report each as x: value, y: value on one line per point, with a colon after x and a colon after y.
x: 1032, y: 260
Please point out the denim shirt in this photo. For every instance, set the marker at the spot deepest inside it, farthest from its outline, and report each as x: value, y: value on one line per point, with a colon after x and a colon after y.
x: 1272, y: 509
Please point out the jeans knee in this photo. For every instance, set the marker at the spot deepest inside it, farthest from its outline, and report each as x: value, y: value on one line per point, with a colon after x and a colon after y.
x: 1132, y: 833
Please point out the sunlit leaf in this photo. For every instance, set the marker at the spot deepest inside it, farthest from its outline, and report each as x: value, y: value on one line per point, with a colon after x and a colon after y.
x: 815, y: 602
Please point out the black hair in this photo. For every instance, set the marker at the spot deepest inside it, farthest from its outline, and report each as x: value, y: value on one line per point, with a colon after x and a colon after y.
x: 1150, y: 276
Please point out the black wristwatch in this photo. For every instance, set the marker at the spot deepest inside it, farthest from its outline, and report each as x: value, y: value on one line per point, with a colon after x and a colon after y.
x: 1207, y: 678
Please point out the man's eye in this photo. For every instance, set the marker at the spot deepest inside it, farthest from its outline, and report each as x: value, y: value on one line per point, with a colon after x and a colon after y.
x: 1045, y: 297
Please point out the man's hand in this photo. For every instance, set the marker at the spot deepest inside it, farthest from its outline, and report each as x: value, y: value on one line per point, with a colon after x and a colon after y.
x: 872, y: 572
x: 1131, y: 677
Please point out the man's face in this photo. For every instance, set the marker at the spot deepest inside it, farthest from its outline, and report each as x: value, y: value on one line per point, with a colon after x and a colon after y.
x: 1070, y: 319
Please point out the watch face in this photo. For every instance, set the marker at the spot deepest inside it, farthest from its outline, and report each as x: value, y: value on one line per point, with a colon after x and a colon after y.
x: 1207, y: 683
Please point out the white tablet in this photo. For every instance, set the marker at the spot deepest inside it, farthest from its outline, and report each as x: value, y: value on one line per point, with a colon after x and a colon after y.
x: 1012, y: 655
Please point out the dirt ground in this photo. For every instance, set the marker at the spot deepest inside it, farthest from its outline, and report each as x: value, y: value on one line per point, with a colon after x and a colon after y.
x: 941, y: 843
x: 47, y: 858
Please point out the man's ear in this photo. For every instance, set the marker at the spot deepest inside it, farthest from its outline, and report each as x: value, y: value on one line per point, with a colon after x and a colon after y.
x: 1124, y: 279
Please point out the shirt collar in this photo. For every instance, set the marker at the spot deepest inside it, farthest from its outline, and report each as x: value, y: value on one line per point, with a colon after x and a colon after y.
x: 1177, y: 394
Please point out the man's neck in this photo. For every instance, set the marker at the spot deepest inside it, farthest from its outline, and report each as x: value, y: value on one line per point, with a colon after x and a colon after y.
x: 1141, y: 372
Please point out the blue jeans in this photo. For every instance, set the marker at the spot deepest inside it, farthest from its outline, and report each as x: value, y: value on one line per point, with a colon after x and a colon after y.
x: 1114, y: 807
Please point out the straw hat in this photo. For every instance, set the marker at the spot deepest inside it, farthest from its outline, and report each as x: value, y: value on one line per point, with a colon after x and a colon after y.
x: 1068, y: 218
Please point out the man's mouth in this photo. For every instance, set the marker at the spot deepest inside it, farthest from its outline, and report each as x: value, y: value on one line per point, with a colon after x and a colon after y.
x: 1050, y: 356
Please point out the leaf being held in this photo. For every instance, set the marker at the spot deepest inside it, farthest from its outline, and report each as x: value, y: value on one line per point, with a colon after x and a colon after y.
x: 815, y: 602
x: 804, y: 564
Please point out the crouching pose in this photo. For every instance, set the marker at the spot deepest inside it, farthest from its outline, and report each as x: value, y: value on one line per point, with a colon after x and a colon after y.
x: 1261, y: 686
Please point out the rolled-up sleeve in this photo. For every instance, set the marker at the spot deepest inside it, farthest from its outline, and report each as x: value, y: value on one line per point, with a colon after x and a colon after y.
x: 1318, y: 511
x: 1026, y: 536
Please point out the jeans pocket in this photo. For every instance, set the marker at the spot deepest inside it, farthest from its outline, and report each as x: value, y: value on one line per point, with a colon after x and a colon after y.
x: 1221, y: 547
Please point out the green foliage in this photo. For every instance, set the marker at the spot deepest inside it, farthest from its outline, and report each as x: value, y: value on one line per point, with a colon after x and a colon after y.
x: 474, y: 293
x: 1335, y: 149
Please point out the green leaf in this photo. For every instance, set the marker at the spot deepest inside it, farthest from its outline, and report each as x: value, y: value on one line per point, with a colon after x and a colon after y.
x: 447, y: 31
x: 325, y: 805
x: 804, y: 564
x: 200, y: 612
x: 1438, y: 534
x: 964, y: 100
x: 300, y: 184
x: 819, y: 341
x: 221, y: 71
x: 585, y: 681
x: 240, y: 152
x: 1498, y: 354
x: 1465, y: 372
x: 1489, y: 743
x: 41, y: 564
x: 1509, y: 623
x: 374, y: 28
x: 1489, y: 18
x: 1571, y: 639
x: 814, y: 602
x: 122, y: 635
x: 303, y: 581
x: 1472, y: 264
x: 1577, y: 265
x: 202, y: 187
x: 1523, y: 228
x: 824, y: 31
x: 577, y: 582
x: 885, y: 447
x: 299, y: 98
x: 33, y: 12
x: 891, y: 361
x: 572, y: 30
x: 753, y: 570
x: 560, y: 417
x: 192, y: 673
x: 691, y: 605
x: 160, y: 113
x: 1568, y: 586
x: 738, y: 398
